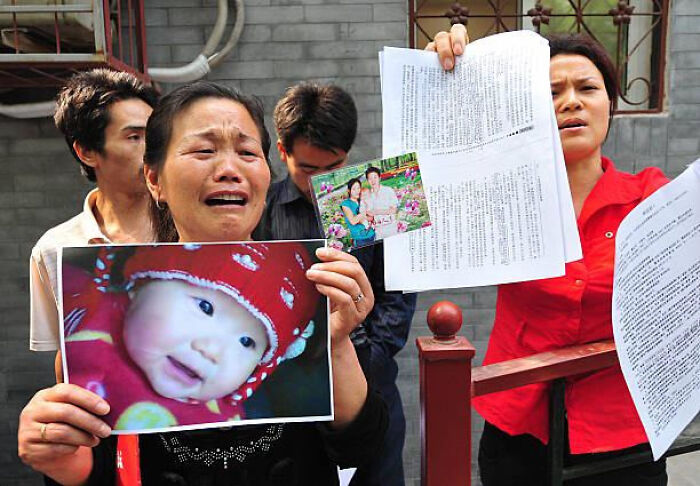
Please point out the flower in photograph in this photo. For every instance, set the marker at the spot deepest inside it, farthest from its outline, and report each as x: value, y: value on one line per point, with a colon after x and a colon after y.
x: 401, y: 227
x: 412, y: 207
x: 336, y: 244
x: 336, y: 231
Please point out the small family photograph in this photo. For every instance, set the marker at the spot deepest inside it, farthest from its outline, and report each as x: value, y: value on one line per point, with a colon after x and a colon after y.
x: 189, y: 336
x: 365, y: 203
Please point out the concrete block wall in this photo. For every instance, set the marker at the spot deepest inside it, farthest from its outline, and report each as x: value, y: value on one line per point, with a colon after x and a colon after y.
x: 40, y: 186
x: 287, y: 41
x: 283, y: 42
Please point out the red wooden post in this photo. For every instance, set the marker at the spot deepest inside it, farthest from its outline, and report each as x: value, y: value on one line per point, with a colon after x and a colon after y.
x: 141, y: 39
x: 445, y: 399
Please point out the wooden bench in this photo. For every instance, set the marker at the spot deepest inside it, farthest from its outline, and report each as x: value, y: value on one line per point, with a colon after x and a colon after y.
x: 448, y: 383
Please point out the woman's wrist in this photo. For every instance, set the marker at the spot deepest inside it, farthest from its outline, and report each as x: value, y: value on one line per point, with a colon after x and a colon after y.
x: 70, y: 470
x: 349, y: 384
x: 341, y: 347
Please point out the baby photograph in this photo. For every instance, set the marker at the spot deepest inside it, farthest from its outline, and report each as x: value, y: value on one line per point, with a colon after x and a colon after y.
x: 189, y: 336
x: 365, y: 203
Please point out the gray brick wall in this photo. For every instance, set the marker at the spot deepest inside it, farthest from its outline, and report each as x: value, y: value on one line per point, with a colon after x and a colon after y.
x: 39, y: 187
x: 285, y: 41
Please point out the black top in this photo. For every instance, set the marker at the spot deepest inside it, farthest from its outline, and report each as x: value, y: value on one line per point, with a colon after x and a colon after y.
x: 289, y: 215
x: 303, y: 454
x: 260, y: 455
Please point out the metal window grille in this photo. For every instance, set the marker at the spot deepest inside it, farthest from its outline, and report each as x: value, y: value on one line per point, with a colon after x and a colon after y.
x: 633, y: 32
x: 44, y: 42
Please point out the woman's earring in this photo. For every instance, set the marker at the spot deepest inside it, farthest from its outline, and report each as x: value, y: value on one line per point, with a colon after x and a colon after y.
x: 160, y: 208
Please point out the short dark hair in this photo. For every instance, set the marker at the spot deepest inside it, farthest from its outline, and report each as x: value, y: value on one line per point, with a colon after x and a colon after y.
x: 371, y: 169
x: 584, y: 45
x: 82, y: 107
x: 160, y: 126
x: 325, y: 115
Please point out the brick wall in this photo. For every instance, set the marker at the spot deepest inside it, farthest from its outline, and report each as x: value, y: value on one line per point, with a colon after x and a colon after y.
x: 39, y: 187
x: 284, y: 41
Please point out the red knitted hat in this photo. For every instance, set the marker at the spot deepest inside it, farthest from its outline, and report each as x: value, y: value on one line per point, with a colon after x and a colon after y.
x: 267, y: 279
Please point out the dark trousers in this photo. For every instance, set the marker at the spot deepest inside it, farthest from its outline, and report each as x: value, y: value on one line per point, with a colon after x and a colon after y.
x: 521, y: 460
x: 387, y: 468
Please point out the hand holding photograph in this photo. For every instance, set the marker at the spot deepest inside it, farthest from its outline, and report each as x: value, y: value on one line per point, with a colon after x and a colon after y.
x: 183, y: 336
x: 365, y: 203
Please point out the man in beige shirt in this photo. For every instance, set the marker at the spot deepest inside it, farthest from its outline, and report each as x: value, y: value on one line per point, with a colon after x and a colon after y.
x: 103, y: 116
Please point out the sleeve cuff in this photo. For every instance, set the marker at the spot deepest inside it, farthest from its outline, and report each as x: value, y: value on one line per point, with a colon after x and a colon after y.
x: 360, y: 440
x: 43, y: 346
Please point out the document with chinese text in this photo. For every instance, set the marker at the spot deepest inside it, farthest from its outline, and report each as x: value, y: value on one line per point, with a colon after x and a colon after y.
x: 493, y: 169
x: 656, y: 307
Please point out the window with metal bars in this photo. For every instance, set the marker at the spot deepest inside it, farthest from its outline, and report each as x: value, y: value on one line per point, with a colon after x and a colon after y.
x: 633, y: 32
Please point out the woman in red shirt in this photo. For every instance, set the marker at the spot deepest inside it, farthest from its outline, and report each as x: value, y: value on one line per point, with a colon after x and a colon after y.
x: 533, y: 317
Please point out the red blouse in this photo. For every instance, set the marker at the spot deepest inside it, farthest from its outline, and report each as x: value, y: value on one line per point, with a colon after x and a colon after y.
x: 542, y: 315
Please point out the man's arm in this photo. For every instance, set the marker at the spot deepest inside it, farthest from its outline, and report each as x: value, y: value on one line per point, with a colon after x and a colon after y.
x: 43, y: 317
x: 58, y: 367
x: 394, y: 204
x: 389, y: 322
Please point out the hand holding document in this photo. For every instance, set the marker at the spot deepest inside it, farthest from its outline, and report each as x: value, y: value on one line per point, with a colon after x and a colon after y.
x: 656, y: 307
x: 492, y: 165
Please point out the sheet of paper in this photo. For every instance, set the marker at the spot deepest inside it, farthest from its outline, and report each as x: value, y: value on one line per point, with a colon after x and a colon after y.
x: 656, y: 307
x: 572, y: 241
x: 484, y: 134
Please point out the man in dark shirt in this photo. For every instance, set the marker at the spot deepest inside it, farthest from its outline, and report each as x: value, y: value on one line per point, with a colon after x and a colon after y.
x: 316, y: 126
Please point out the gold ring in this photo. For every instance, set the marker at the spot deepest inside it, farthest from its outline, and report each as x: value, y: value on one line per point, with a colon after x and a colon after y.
x: 358, y: 298
x: 43, y: 432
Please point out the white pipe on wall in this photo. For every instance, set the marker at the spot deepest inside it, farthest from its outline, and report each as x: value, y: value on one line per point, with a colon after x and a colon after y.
x: 203, y: 63
x: 193, y: 71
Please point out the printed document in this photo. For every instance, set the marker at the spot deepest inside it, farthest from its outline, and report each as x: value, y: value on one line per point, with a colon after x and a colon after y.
x: 656, y: 307
x: 493, y: 169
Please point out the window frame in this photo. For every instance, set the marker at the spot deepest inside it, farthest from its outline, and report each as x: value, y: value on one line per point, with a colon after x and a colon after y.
x: 541, y: 13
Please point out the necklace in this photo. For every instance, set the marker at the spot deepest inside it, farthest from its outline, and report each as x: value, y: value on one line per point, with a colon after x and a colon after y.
x: 209, y: 457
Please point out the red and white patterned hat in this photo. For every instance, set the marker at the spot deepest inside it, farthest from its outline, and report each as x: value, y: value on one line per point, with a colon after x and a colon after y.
x: 267, y: 279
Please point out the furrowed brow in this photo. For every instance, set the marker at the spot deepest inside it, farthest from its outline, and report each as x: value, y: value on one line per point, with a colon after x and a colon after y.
x: 139, y: 128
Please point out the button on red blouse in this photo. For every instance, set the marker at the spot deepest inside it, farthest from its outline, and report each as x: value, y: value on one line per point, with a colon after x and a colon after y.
x: 542, y: 315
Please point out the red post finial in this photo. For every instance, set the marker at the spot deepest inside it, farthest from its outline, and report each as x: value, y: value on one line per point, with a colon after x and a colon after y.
x: 445, y: 399
x: 444, y: 320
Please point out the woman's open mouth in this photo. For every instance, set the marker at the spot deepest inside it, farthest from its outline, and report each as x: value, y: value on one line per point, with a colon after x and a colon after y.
x: 181, y: 372
x: 226, y: 199
x: 571, y: 124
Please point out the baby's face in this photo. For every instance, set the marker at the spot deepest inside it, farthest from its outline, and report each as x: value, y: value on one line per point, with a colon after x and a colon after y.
x: 192, y: 342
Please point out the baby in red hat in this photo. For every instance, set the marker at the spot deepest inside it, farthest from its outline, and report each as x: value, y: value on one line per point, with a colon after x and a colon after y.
x: 192, y: 333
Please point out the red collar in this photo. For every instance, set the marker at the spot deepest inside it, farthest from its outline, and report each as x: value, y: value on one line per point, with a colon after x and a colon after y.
x: 613, y: 187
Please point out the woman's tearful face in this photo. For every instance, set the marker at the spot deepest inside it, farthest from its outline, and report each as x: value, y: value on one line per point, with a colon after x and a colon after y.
x: 215, y: 176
